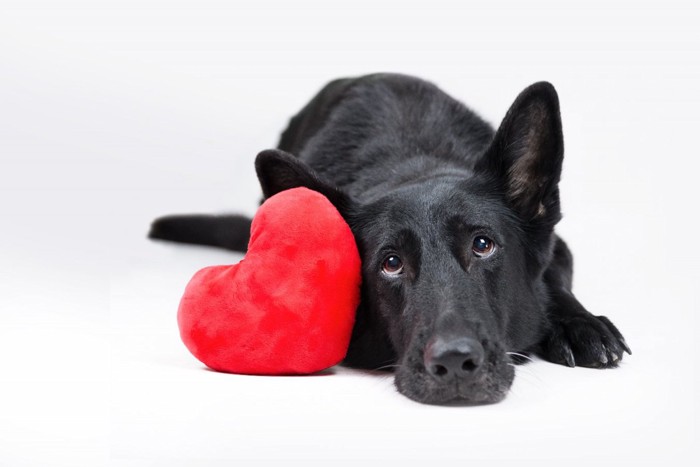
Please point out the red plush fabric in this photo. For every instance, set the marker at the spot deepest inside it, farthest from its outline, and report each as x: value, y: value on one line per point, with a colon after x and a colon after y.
x: 289, y: 306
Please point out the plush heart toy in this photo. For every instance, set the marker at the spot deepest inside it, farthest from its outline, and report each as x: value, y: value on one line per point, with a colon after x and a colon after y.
x: 289, y: 306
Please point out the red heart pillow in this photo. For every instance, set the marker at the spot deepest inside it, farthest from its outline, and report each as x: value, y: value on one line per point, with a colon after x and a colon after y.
x: 289, y: 306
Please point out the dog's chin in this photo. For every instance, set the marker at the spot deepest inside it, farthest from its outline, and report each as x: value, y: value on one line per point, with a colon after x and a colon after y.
x: 489, y: 387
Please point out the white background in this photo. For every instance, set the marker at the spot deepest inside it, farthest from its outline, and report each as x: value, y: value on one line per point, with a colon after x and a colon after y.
x: 112, y: 113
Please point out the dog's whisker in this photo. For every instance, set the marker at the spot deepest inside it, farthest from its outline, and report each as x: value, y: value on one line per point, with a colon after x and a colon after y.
x: 527, y: 375
x: 384, y: 367
x: 520, y: 355
x: 523, y: 369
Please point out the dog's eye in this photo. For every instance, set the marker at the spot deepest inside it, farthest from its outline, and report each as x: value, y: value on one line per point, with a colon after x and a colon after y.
x: 483, y: 246
x: 392, y: 265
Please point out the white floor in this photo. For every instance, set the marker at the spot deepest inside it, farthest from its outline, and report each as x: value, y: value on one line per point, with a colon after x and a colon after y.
x: 110, y: 117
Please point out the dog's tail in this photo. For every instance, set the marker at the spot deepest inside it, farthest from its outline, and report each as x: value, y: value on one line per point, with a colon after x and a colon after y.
x: 231, y: 232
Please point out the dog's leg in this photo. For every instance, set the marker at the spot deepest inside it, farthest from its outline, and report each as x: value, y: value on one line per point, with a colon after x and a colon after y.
x: 369, y: 347
x: 575, y: 336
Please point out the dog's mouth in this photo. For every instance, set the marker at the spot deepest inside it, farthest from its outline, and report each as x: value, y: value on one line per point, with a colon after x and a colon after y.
x: 487, y: 384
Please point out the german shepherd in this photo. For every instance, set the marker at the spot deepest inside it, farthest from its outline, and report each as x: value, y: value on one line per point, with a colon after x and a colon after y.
x: 463, y: 275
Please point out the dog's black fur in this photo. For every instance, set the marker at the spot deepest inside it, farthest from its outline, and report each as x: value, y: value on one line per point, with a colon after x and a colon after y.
x: 455, y: 227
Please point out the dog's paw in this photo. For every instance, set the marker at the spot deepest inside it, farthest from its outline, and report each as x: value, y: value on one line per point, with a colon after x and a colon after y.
x: 584, y: 340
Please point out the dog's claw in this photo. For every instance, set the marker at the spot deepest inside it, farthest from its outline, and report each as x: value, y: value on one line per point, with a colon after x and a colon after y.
x: 569, y: 357
x: 615, y: 332
x: 624, y: 345
x: 602, y: 357
x: 560, y: 352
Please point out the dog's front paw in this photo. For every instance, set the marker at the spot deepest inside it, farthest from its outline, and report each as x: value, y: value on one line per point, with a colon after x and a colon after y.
x: 584, y: 340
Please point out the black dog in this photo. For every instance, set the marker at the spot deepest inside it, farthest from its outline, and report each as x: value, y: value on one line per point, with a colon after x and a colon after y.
x: 455, y: 226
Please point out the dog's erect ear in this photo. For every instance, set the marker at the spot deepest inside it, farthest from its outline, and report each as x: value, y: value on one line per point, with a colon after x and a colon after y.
x: 527, y: 153
x: 278, y: 171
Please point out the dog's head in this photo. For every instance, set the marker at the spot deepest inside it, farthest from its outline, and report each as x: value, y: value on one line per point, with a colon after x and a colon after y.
x: 453, y: 262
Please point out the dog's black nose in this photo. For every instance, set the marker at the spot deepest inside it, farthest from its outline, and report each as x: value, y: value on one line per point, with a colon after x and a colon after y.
x: 460, y: 357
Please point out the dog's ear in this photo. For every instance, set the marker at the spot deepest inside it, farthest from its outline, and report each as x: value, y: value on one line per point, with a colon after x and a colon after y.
x: 278, y: 171
x: 527, y: 153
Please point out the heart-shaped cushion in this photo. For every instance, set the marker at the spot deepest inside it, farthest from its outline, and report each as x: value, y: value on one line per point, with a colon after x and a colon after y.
x: 289, y: 306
